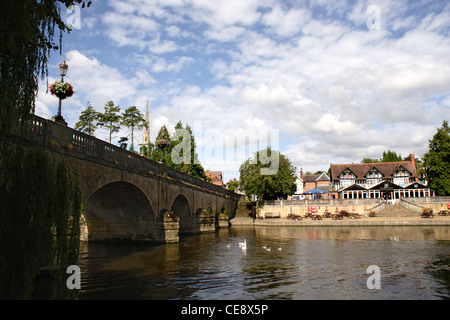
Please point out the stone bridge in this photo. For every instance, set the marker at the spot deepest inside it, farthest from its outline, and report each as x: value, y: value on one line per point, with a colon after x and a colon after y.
x: 129, y: 197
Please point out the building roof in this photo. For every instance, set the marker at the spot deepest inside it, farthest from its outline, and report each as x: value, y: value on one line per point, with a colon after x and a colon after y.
x: 387, y: 169
x: 415, y: 185
x: 315, y: 177
x: 216, y: 177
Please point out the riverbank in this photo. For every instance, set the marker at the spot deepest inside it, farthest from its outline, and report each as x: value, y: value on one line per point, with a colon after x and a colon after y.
x: 327, y: 222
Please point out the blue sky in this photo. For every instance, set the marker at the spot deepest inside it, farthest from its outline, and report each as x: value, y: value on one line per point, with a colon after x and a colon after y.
x: 329, y: 81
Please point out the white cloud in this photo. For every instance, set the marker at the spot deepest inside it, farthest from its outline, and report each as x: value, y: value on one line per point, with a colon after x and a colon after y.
x: 286, y: 23
x: 311, y: 69
x: 227, y: 12
x: 98, y: 80
x: 144, y: 77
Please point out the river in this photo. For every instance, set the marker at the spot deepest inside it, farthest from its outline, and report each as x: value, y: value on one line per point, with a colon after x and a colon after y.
x: 302, y: 263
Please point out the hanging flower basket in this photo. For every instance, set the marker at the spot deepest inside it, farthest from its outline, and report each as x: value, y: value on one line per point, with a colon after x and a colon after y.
x: 162, y: 143
x: 62, y: 90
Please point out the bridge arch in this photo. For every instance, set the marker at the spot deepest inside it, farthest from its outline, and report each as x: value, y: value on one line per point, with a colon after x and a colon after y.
x: 120, y: 210
x: 181, y: 208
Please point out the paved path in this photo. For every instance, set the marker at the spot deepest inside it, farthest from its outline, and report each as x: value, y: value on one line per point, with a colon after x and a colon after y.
x: 364, y: 221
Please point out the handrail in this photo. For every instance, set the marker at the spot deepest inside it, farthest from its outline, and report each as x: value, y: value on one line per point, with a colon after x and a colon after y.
x: 431, y: 200
x: 411, y: 206
x: 377, y: 209
x: 310, y: 202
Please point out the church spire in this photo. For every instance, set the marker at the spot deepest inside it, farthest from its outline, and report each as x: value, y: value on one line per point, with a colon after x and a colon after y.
x: 146, y: 138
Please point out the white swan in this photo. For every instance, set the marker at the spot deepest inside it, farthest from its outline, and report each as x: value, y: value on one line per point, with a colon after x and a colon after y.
x: 394, y: 238
x: 242, y: 244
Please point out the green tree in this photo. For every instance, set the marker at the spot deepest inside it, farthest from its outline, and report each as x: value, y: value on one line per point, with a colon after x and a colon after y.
x: 182, y: 140
x: 155, y: 153
x: 110, y: 119
x: 391, y: 156
x: 88, y: 118
x: 437, y: 161
x: 256, y: 181
x: 27, y: 32
x: 190, y: 163
x: 40, y: 223
x: 133, y: 119
x: 388, y: 156
x: 233, y: 185
x: 369, y: 160
x: 35, y: 220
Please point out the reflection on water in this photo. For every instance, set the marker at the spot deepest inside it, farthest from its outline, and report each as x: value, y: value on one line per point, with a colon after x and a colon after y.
x: 302, y: 263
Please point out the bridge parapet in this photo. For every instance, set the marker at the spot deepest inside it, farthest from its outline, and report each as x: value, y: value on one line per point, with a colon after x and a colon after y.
x: 77, y: 144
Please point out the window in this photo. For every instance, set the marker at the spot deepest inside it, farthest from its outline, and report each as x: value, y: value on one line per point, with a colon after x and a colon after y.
x: 373, y: 177
x: 373, y: 182
x: 401, y: 176
x: 374, y: 173
x: 347, y: 174
x: 347, y: 178
x: 401, y: 172
x: 401, y: 181
x: 347, y: 183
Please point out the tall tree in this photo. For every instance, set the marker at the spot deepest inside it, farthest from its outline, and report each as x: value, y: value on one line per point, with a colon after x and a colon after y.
x: 232, y: 185
x: 369, y: 160
x: 391, y: 156
x: 27, y: 30
x: 34, y: 228
x: 182, y: 141
x: 133, y: 119
x: 388, y: 156
x: 268, y: 184
x: 110, y: 119
x: 88, y: 120
x: 437, y: 161
x: 190, y: 164
x: 155, y: 153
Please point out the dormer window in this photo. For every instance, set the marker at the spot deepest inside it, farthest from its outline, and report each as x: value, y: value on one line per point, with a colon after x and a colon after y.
x: 374, y: 173
x: 374, y: 176
x: 401, y: 176
x: 401, y: 172
x: 347, y: 174
x: 347, y: 178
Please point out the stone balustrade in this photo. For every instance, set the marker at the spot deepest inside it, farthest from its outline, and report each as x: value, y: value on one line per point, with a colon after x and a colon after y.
x: 64, y: 139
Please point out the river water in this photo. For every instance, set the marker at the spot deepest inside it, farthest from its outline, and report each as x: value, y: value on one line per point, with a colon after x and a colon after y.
x: 303, y: 263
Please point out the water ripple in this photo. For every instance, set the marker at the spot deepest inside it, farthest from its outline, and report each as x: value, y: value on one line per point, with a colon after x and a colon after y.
x: 307, y: 266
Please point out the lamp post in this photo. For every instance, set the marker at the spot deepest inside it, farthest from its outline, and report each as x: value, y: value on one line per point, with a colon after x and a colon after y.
x: 162, y: 143
x: 62, y: 71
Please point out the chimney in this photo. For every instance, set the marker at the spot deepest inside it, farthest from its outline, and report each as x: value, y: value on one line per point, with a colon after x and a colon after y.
x: 301, y: 173
x: 412, y: 159
x: 413, y: 162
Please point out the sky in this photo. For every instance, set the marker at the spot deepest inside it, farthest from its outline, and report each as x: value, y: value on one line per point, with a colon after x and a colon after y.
x: 321, y: 81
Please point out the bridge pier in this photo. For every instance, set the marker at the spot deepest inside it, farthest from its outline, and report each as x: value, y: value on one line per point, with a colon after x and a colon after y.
x: 171, y: 226
x: 206, y: 221
x: 222, y: 222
